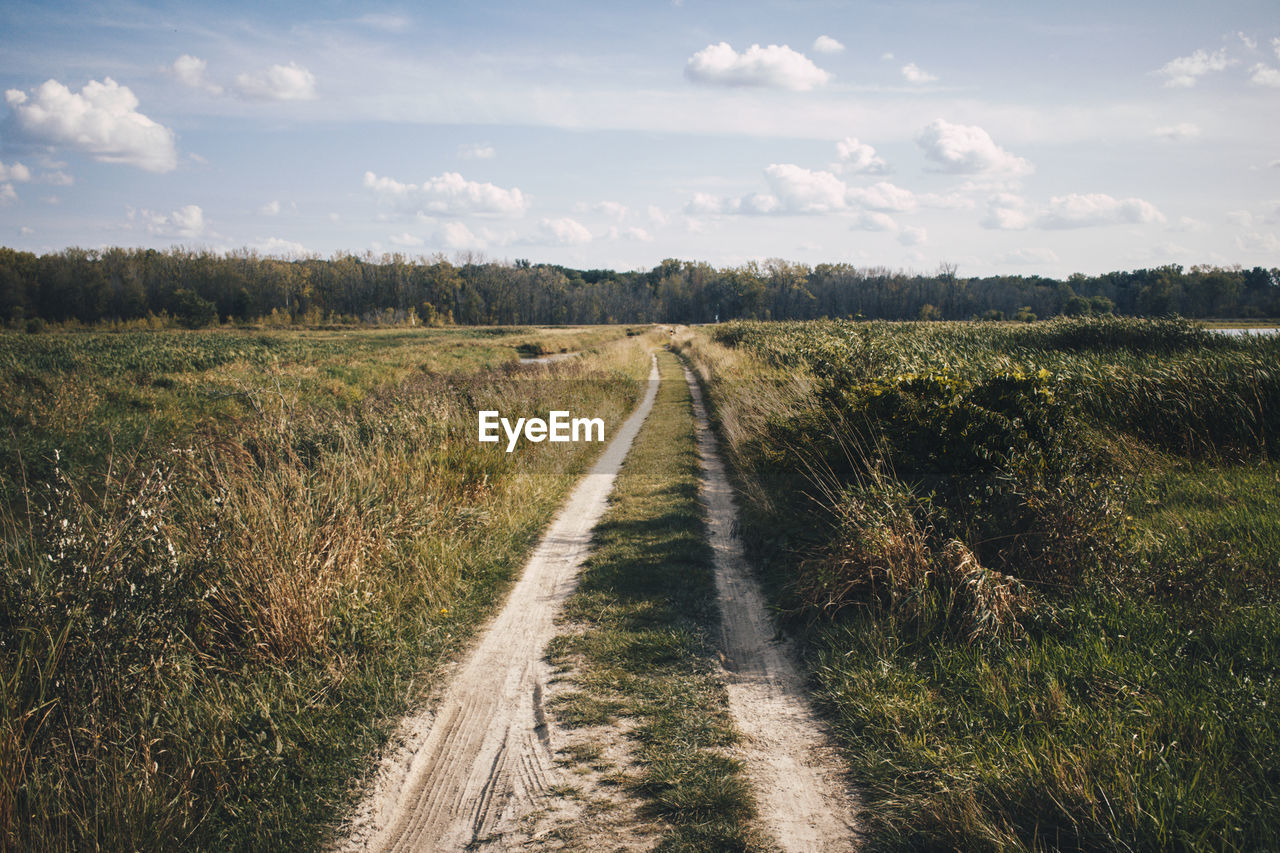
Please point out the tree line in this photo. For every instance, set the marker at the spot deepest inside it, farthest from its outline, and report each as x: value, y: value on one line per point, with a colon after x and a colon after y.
x: 199, y: 288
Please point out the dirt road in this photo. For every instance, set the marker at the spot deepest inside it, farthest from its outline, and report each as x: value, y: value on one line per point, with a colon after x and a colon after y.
x: 804, y: 801
x: 468, y: 772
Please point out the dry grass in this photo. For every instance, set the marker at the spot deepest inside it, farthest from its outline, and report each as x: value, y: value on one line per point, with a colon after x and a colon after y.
x: 199, y: 647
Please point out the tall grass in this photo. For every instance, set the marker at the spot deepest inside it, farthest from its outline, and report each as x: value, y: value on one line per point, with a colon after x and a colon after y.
x: 1036, y: 568
x: 202, y: 644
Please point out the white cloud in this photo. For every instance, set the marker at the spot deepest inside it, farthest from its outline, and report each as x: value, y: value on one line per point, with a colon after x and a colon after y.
x: 1247, y: 219
x: 612, y: 209
x: 907, y: 235
x: 1187, y: 223
x: 1254, y: 241
x: 631, y: 233
x: 1029, y: 256
x: 456, y: 235
x: 871, y: 221
x: 950, y: 201
x: 796, y: 189
x: 1177, y: 132
x: 776, y: 66
x: 477, y: 151
x: 187, y: 221
x: 967, y: 150
x: 1006, y: 212
x: 102, y: 120
x: 289, y: 82
x: 704, y: 204
x: 1264, y: 75
x: 761, y: 203
x: 281, y: 248
x: 916, y: 74
x: 1247, y: 41
x: 271, y: 208
x: 8, y: 195
x: 1275, y: 45
x: 656, y: 215
x: 405, y: 239
x: 448, y: 194
x: 26, y: 231
x: 1081, y: 211
x: 565, y: 231
x: 911, y: 235
x: 190, y: 71
x: 883, y: 196
x: 17, y: 173
x: 56, y: 178
x: 804, y: 191
x: 859, y: 157
x: 826, y: 44
x: 1186, y: 70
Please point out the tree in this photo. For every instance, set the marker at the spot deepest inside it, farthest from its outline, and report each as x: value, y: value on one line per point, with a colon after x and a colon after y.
x: 192, y: 311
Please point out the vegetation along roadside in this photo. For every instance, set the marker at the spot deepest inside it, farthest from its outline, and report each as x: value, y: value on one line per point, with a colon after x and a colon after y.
x: 209, y: 622
x: 1035, y: 568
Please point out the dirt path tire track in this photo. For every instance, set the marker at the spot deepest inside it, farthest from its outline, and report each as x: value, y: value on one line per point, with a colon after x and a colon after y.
x: 470, y: 771
x: 804, y: 799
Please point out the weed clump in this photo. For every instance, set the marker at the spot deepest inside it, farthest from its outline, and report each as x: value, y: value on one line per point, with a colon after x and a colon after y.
x: 886, y: 553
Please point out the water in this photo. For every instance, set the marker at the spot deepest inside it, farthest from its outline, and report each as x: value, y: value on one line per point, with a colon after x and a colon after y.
x: 1271, y: 331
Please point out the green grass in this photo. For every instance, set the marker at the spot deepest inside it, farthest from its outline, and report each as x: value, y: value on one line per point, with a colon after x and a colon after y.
x: 205, y: 634
x: 1214, y: 527
x: 1130, y: 701
x: 91, y: 394
x: 641, y: 641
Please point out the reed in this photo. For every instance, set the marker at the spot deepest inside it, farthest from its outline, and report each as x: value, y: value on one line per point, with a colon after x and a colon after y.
x: 1035, y: 568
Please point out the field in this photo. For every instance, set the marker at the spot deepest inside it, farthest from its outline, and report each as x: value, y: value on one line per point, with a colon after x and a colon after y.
x: 1036, y: 569
x: 229, y: 555
x: 1032, y: 570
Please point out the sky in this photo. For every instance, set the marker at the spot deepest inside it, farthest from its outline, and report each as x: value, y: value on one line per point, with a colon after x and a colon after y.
x: 1014, y: 137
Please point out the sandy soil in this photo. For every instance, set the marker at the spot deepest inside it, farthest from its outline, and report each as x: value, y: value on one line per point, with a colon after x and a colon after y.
x: 805, y: 801
x: 484, y: 770
x: 475, y: 772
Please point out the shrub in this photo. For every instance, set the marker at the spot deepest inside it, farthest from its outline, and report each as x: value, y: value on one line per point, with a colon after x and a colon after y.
x: 886, y: 554
x: 192, y: 311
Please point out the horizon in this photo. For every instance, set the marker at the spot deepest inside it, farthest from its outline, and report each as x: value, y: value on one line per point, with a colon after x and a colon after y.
x: 1004, y: 140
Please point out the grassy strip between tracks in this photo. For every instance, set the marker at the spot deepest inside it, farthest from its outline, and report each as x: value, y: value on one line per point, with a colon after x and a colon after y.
x: 638, y: 641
